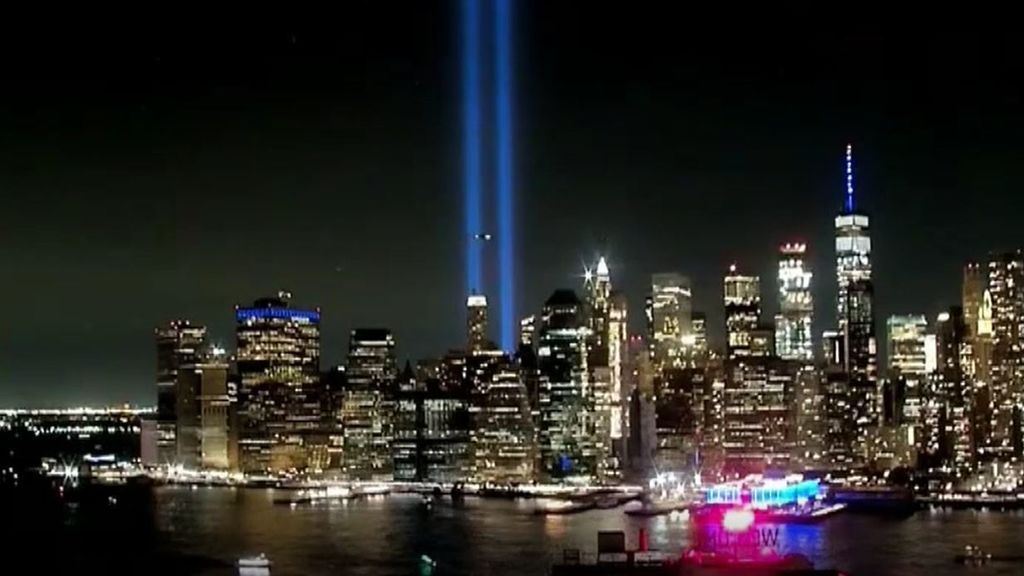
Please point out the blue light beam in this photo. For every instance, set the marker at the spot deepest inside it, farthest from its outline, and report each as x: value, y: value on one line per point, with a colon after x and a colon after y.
x: 506, y: 236
x: 471, y: 141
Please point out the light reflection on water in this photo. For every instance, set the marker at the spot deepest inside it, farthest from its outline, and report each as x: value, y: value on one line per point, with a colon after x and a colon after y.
x: 387, y: 535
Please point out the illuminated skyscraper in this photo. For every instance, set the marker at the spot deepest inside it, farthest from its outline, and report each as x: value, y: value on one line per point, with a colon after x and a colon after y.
x: 476, y: 319
x: 618, y: 325
x: 606, y: 384
x: 759, y: 429
x: 203, y: 404
x: 669, y: 318
x: 177, y: 344
x: 699, y: 324
x: 1006, y: 290
x: 955, y: 392
x: 369, y: 404
x: 504, y: 450
x: 278, y: 357
x: 906, y: 346
x: 855, y: 312
x: 796, y: 304
x: 742, y: 311
x: 567, y: 442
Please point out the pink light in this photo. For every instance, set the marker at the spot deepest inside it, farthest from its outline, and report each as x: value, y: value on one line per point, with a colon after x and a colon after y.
x: 737, y: 520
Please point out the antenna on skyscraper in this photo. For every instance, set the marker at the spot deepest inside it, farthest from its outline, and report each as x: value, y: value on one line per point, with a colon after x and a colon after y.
x: 849, y: 178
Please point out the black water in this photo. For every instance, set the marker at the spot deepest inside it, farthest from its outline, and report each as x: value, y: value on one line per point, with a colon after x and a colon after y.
x: 175, y: 530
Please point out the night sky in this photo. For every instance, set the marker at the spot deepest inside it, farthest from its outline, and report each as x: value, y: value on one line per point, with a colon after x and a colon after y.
x: 169, y: 169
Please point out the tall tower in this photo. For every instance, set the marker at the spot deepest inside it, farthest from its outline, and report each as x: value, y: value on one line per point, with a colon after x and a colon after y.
x: 1006, y: 290
x: 476, y: 322
x: 855, y: 313
x: 605, y: 371
x: 368, y: 405
x: 278, y: 356
x: 178, y: 344
x: 742, y: 311
x: 796, y: 304
x: 567, y: 440
x: 669, y: 319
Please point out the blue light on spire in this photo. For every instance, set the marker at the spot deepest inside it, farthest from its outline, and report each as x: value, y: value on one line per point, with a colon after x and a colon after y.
x: 849, y: 178
x: 503, y: 107
x: 471, y: 141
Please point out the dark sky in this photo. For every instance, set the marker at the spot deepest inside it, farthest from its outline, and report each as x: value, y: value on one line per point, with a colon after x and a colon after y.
x: 161, y: 168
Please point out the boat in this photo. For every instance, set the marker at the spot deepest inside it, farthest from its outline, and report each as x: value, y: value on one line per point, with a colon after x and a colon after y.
x: 308, y: 495
x: 648, y: 508
x: 560, y: 507
x: 607, y: 502
x: 254, y: 565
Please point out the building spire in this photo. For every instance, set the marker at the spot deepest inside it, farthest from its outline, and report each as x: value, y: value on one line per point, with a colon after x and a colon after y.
x: 849, y: 178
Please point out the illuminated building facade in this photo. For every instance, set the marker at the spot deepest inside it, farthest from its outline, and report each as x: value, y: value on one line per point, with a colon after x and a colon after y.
x: 796, y: 304
x: 605, y: 383
x: 810, y: 417
x: 567, y: 443
x: 618, y: 325
x: 504, y: 450
x: 369, y: 404
x: 278, y: 359
x: 1006, y: 289
x: 855, y: 311
x: 906, y: 347
x: 669, y: 318
x: 838, y: 418
x: 431, y: 440
x: 699, y: 325
x: 177, y: 344
x: 955, y: 393
x: 759, y: 428
x: 742, y: 311
x: 476, y: 320
x: 977, y: 304
x: 679, y: 418
x: 203, y: 404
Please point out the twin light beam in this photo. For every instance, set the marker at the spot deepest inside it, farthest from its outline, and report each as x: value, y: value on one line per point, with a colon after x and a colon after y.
x: 476, y: 237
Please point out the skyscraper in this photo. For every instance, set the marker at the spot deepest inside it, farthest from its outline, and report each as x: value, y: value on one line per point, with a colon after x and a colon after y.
x: 177, y: 344
x: 567, y: 442
x: 855, y: 312
x: 369, y: 404
x: 476, y: 319
x: 618, y: 325
x: 278, y: 358
x: 796, y: 304
x: 1006, y: 289
x: 669, y: 318
x: 203, y: 419
x: 906, y: 347
x: 742, y: 311
x: 955, y: 392
x: 503, y: 437
x: 604, y: 381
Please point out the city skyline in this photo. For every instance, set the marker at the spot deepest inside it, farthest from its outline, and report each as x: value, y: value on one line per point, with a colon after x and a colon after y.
x: 648, y: 175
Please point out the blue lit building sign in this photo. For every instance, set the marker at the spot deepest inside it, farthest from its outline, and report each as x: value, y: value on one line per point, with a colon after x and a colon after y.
x: 244, y: 314
x: 768, y: 494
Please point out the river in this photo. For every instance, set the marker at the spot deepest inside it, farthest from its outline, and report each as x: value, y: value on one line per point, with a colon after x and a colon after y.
x: 178, y: 530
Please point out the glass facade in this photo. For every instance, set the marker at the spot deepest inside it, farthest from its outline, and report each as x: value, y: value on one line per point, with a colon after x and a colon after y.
x: 796, y: 304
x: 278, y: 359
x: 178, y: 344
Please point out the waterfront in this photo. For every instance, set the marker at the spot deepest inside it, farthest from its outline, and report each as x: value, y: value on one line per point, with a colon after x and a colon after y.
x: 178, y: 530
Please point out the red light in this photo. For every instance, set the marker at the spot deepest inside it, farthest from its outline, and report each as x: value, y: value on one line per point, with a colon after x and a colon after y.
x: 738, y: 520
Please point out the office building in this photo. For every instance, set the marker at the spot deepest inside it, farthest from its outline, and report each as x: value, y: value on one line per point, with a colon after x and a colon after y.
x: 368, y: 408
x: 503, y: 441
x: 838, y: 420
x: 603, y: 379
x: 796, y: 304
x: 699, y: 324
x: 177, y: 344
x: 203, y: 404
x: 758, y: 424
x: 567, y: 442
x: 278, y: 360
x: 742, y: 311
x: 431, y: 441
x: 476, y: 320
x: 855, y: 312
x: 1006, y: 390
x: 907, y: 353
x: 679, y: 418
x: 956, y: 392
x: 669, y: 319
